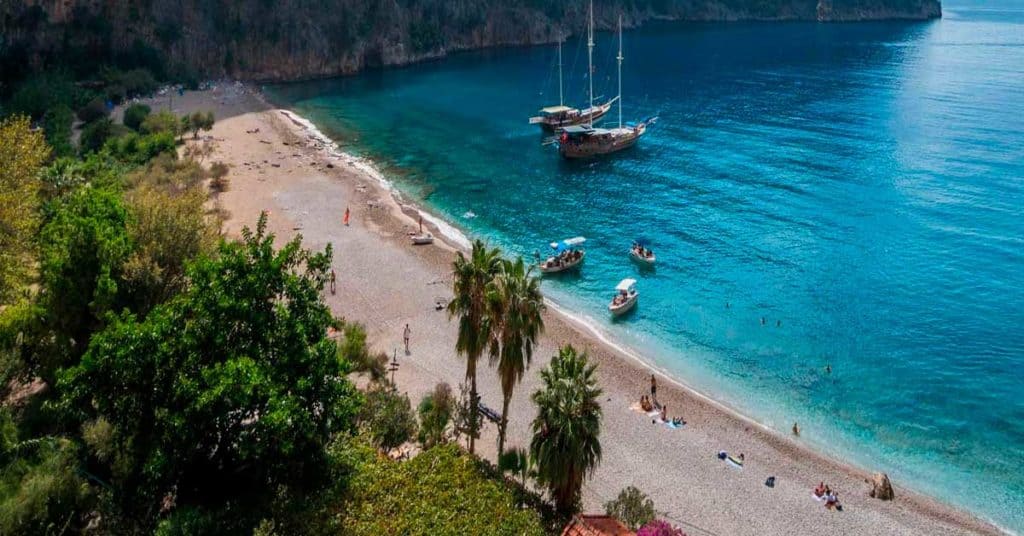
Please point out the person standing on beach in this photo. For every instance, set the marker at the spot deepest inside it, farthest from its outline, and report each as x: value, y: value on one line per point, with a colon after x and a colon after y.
x: 334, y: 288
x: 345, y: 219
x: 654, y: 390
x: 405, y: 337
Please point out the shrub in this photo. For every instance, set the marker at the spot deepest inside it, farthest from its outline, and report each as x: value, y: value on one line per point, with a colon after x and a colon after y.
x: 441, y: 491
x: 435, y: 414
x: 659, y: 528
x: 632, y: 507
x: 163, y: 121
x: 387, y: 417
x: 136, y: 149
x: 134, y: 115
x: 95, y: 135
x: 57, y: 127
x: 93, y: 110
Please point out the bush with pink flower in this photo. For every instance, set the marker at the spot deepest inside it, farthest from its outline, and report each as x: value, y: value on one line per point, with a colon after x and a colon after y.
x: 659, y: 528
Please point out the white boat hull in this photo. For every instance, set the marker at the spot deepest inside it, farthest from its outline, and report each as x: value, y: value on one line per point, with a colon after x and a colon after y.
x: 624, y: 307
x: 649, y: 261
x: 547, y: 267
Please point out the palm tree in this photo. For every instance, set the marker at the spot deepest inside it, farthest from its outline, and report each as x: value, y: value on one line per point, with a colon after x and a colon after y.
x: 516, y: 324
x: 471, y: 278
x: 565, y: 446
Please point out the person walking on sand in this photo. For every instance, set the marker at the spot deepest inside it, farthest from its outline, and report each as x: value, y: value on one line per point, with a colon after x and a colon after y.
x: 654, y: 390
x: 345, y: 219
x: 405, y: 337
x: 334, y: 288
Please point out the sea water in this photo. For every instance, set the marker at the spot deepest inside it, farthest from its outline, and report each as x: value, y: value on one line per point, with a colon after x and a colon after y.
x: 818, y: 195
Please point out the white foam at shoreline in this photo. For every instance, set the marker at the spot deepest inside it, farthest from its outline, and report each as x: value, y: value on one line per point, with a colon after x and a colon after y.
x: 367, y: 167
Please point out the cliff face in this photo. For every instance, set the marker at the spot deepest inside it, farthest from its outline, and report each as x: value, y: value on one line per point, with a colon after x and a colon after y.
x: 290, y: 39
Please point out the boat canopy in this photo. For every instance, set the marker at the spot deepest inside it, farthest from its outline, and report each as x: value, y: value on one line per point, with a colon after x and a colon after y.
x: 625, y: 285
x: 577, y: 129
x: 567, y: 243
x: 555, y: 109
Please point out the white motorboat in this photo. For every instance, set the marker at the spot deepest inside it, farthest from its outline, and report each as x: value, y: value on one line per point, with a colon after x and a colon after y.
x: 422, y: 239
x: 625, y: 298
x: 568, y: 255
x: 640, y: 253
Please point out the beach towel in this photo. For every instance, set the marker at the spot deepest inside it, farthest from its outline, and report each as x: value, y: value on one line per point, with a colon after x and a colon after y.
x: 675, y: 426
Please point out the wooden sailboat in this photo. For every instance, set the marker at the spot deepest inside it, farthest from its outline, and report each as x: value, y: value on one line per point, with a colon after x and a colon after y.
x: 553, y: 118
x: 584, y: 141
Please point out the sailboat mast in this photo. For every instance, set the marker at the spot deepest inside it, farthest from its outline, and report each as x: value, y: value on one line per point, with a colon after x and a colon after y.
x: 620, y: 70
x: 561, y: 98
x: 590, y: 63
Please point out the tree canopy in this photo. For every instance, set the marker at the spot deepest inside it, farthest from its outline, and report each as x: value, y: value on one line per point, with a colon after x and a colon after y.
x: 228, y: 391
x: 22, y: 154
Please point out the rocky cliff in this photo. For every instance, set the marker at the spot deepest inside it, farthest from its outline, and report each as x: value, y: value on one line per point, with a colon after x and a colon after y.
x: 291, y: 39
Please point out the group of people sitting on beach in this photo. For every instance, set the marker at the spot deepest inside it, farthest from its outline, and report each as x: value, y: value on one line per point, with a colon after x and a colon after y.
x: 648, y: 405
x: 827, y: 494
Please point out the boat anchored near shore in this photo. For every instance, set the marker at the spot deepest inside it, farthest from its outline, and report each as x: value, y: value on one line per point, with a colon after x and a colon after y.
x: 568, y: 255
x: 625, y: 298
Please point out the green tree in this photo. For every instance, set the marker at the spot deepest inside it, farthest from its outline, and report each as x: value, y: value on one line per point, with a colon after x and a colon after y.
x: 95, y: 135
x: 93, y: 110
x: 83, y: 249
x: 42, y: 92
x: 387, y: 417
x: 471, y: 278
x: 22, y: 153
x: 223, y: 395
x: 516, y: 307
x: 166, y: 231
x: 162, y: 121
x: 199, y: 121
x: 134, y: 115
x: 632, y: 507
x: 566, y: 446
x: 435, y: 412
x: 57, y: 125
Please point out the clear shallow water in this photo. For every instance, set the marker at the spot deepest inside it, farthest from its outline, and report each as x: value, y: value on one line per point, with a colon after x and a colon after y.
x: 862, y: 184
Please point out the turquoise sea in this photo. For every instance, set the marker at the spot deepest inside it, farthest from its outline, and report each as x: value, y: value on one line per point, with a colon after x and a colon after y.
x: 858, y: 186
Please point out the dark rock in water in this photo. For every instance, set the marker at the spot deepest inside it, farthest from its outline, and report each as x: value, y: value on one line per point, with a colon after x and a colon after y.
x: 881, y: 488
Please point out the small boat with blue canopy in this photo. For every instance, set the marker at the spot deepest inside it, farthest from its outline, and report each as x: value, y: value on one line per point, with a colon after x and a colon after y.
x: 567, y: 255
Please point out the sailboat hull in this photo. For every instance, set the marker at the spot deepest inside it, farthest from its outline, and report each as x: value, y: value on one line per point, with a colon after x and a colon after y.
x: 601, y: 142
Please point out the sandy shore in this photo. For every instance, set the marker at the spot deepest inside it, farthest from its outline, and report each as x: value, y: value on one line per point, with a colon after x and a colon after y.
x: 386, y: 283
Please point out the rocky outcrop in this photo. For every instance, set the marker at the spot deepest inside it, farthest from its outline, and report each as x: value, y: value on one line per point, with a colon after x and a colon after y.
x: 292, y: 39
x: 881, y: 488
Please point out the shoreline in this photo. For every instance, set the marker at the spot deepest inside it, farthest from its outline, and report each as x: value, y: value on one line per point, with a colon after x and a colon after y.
x: 623, y: 370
